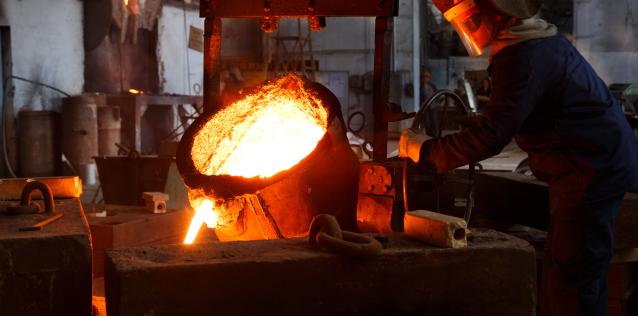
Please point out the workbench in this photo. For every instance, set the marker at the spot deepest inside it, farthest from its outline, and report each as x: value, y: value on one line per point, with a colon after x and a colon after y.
x: 46, y: 272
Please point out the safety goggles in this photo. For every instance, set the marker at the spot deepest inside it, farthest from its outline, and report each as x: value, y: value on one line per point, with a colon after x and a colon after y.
x: 475, y: 29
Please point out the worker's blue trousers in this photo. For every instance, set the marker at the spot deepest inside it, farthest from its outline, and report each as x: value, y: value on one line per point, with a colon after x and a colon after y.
x: 578, y: 249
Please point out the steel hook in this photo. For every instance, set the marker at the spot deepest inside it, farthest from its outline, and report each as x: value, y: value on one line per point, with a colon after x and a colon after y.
x: 27, y: 192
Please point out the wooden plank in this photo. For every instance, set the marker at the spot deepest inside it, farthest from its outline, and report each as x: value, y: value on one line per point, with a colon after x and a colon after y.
x: 295, y: 8
x: 134, y: 226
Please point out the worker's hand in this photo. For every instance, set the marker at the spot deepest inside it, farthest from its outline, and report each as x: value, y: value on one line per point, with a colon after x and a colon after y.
x: 410, y: 144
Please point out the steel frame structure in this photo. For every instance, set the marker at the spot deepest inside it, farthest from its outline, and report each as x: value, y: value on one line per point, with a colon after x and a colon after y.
x: 383, y: 10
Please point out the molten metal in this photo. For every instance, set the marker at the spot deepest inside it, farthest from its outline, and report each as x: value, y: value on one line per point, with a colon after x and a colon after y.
x: 204, y: 214
x: 260, y: 135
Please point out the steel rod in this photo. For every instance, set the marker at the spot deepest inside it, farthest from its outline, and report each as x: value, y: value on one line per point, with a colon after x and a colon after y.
x: 38, y: 226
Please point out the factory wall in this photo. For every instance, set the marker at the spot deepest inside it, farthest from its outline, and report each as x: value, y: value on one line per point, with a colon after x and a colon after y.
x: 606, y: 33
x: 347, y: 45
x: 180, y: 68
x: 46, y: 45
x: 345, y: 48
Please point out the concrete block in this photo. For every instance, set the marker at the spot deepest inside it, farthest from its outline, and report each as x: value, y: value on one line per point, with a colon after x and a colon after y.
x: 436, y: 229
x: 129, y: 226
x: 494, y: 275
x: 46, y: 272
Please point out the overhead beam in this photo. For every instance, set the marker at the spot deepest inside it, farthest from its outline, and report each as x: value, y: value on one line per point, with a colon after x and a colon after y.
x: 296, y: 8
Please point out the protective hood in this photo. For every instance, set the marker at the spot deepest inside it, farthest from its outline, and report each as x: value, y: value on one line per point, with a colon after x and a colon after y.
x: 476, y: 30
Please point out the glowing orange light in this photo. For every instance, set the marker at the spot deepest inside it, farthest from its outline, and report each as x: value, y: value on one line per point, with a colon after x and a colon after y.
x: 135, y: 91
x: 204, y: 214
x: 262, y: 134
x: 126, y: 3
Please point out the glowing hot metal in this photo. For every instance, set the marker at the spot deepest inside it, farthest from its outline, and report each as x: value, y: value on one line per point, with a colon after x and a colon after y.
x: 204, y: 214
x: 262, y: 134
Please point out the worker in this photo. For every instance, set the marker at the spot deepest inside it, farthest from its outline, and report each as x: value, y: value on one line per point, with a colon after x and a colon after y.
x: 547, y: 96
x: 427, y: 87
x: 483, y: 94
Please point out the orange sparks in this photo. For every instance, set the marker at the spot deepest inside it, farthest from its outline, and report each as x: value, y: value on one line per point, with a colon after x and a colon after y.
x: 204, y: 214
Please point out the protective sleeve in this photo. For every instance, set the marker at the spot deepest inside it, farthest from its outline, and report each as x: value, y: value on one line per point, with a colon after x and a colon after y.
x: 516, y: 88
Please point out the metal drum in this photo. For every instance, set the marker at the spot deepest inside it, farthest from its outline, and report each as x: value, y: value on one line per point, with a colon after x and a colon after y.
x: 39, y: 148
x: 79, y: 129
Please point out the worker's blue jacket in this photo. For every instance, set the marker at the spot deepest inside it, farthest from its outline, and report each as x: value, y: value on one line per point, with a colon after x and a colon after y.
x: 547, y: 96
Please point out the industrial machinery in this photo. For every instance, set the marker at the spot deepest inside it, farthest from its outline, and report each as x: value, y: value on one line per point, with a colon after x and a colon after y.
x: 280, y: 203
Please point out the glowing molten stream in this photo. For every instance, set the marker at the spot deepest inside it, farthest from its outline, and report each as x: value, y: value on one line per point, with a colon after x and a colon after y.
x: 204, y: 214
x: 260, y: 135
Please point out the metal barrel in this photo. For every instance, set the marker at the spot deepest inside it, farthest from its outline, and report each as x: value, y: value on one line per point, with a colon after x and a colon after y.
x: 79, y: 129
x: 39, y: 148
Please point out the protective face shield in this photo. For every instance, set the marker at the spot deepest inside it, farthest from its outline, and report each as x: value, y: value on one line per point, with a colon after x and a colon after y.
x: 477, y: 31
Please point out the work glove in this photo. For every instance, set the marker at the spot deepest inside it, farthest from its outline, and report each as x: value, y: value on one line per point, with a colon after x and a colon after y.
x: 410, y: 144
